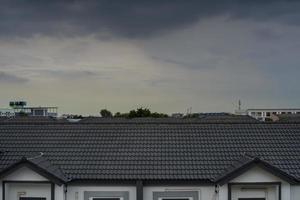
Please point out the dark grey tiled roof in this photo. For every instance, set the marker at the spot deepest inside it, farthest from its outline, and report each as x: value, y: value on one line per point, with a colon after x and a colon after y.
x: 39, y: 162
x: 203, y: 118
x: 32, y: 119
x: 152, y: 150
x: 289, y: 118
x: 46, y: 165
x: 226, y: 118
x: 3, y: 118
x: 245, y: 162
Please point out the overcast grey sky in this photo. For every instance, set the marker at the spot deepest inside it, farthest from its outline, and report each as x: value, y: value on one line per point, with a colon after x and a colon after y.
x: 166, y: 55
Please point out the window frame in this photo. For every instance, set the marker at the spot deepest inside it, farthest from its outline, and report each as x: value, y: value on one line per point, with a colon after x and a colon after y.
x: 177, y: 198
x: 278, y: 184
x: 176, y: 194
x: 92, y: 198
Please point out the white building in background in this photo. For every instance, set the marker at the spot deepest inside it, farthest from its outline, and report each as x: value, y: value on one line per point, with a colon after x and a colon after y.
x: 19, y: 108
x: 7, y: 112
x: 40, y: 111
x: 265, y: 114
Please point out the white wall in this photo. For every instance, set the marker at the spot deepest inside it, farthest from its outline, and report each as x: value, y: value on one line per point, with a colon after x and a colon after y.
x: 59, y: 192
x: 15, y: 190
x: 256, y: 174
x: 295, y: 192
x: 29, y: 189
x: 77, y: 192
x: 243, y: 191
x: 223, y: 192
x: 24, y: 174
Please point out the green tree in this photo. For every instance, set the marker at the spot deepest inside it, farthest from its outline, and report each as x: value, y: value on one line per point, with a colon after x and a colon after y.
x: 23, y: 114
x: 158, y: 115
x: 124, y: 115
x: 140, y: 112
x: 105, y: 113
x: 132, y: 114
x: 143, y: 112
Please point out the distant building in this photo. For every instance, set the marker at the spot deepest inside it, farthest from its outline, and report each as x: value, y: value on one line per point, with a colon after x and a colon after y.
x: 177, y: 115
x: 7, y: 112
x: 18, y: 108
x: 266, y: 114
x: 39, y: 111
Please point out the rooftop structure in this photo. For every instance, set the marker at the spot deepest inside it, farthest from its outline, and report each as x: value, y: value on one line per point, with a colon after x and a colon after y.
x: 18, y: 108
x: 7, y: 112
x: 264, y: 114
x: 38, y: 111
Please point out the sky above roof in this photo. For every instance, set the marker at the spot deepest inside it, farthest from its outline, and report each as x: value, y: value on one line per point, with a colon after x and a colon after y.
x: 167, y: 55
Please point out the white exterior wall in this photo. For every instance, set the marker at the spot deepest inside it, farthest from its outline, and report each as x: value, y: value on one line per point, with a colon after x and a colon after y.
x: 268, y: 192
x: 295, y: 192
x: 13, y: 190
x: 77, y: 192
x: 257, y: 174
x: 16, y: 190
x: 24, y: 174
x: 223, y: 192
x: 59, y: 192
x: 254, y: 175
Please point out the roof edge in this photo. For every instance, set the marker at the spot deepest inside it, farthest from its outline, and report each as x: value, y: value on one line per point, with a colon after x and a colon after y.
x: 27, y: 163
x: 256, y: 161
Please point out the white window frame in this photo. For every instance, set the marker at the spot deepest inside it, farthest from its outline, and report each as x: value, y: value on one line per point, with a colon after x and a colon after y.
x: 92, y: 198
x: 165, y: 198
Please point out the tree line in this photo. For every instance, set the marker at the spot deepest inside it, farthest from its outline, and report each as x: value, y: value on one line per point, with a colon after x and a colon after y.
x: 139, y: 112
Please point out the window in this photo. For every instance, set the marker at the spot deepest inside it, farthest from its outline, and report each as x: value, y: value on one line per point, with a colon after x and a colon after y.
x: 105, y: 198
x: 38, y: 112
x: 268, y: 114
x: 176, y: 195
x: 259, y: 113
x: 252, y: 199
x: 106, y: 195
x: 176, y: 198
x: 32, y: 198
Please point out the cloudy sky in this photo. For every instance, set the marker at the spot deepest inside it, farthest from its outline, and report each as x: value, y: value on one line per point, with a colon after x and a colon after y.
x: 166, y: 55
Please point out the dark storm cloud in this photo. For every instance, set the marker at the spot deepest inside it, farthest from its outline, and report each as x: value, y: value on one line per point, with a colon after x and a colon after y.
x: 10, y: 78
x: 130, y: 18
